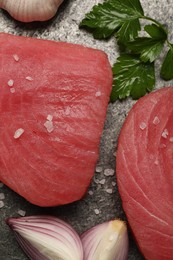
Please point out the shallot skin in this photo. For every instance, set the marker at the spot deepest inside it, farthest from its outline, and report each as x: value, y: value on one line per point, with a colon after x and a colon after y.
x: 144, y: 170
x: 31, y: 10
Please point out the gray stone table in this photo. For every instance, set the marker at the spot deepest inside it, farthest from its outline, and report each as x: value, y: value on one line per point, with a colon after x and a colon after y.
x: 81, y: 215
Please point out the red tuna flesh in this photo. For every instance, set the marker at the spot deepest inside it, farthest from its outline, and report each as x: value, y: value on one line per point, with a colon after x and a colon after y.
x: 57, y: 93
x: 145, y: 173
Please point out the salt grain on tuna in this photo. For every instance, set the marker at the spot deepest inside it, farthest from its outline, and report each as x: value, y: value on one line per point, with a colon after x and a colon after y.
x: 29, y: 78
x: 12, y: 90
x: 171, y: 139
x: 97, y: 211
x: 165, y: 133
x: 156, y: 162
x: 162, y: 146
x: 151, y: 156
x: 2, y: 196
x: 18, y: 133
x: 16, y: 57
x: 1, y: 204
x: 156, y: 120
x: 143, y: 126
x: 49, y: 117
x: 109, y: 172
x: 10, y: 82
x: 67, y: 111
x: 98, y: 94
x: 49, y: 126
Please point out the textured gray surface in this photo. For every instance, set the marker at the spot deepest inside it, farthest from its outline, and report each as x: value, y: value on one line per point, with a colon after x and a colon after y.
x: 64, y: 27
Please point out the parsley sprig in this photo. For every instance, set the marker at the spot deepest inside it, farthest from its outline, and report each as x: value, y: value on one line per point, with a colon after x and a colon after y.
x: 134, y: 73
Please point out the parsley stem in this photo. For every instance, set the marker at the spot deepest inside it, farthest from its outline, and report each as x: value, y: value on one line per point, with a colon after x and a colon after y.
x: 169, y: 44
x: 154, y: 21
x: 160, y: 25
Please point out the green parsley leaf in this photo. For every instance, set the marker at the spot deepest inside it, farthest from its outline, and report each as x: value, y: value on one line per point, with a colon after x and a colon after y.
x: 156, y: 32
x: 148, y: 48
x: 132, y: 77
x: 106, y: 18
x: 132, y: 27
x: 167, y: 66
x: 134, y: 73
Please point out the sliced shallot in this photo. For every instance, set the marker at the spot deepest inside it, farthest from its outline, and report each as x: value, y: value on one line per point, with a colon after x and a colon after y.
x: 107, y: 241
x: 46, y: 237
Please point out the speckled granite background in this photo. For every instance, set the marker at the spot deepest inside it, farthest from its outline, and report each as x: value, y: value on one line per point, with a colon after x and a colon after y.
x: 81, y: 215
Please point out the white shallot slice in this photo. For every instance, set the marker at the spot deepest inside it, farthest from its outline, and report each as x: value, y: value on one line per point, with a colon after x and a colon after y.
x: 107, y: 241
x: 46, y: 237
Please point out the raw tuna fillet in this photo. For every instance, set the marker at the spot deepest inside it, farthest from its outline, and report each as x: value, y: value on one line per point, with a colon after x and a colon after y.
x: 53, y: 104
x: 145, y: 173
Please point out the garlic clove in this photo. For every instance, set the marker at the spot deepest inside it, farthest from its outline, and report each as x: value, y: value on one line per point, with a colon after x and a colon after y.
x: 31, y: 10
x: 46, y: 237
x: 107, y: 241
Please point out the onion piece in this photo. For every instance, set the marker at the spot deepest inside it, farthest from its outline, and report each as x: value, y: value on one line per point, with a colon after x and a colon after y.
x: 46, y: 237
x: 107, y: 241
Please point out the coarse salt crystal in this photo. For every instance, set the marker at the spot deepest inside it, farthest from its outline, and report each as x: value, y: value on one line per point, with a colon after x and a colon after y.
x: 96, y: 181
x: 12, y: 90
x: 109, y: 172
x: 16, y: 57
x: 49, y: 117
x: 90, y: 192
x: 113, y: 183
x: 49, y: 126
x: 98, y: 169
x: 162, y: 146
x: 113, y: 237
x: 102, y: 181
x: 98, y: 94
x: 171, y: 139
x: 151, y: 156
x: 29, y: 78
x: 10, y: 82
x: 1, y: 204
x: 110, y: 191
x: 67, y: 111
x: 2, y: 196
x: 156, y: 120
x: 165, y: 133
x: 143, y: 126
x: 97, y: 211
x: 21, y: 212
x: 18, y: 133
x: 1, y: 184
x: 156, y: 162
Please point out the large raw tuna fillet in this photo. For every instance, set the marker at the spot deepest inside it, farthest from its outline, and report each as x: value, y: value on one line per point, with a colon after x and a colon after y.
x: 145, y: 173
x: 53, y: 104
